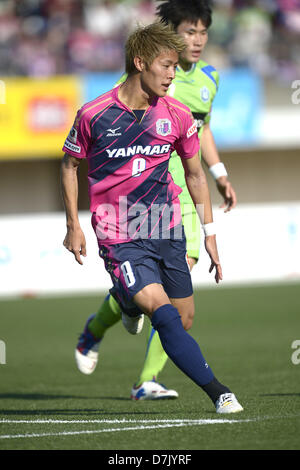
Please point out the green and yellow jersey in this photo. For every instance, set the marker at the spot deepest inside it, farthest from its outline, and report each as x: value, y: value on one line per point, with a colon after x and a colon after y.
x: 196, y: 88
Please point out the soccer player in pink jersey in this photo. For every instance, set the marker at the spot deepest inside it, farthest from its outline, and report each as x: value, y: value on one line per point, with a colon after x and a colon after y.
x: 127, y: 136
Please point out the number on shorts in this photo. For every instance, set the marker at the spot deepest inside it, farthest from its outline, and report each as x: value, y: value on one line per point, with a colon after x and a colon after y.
x: 128, y: 274
x: 138, y: 166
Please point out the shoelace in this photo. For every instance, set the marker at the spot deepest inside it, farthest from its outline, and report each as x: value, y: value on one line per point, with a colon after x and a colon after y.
x: 226, y: 397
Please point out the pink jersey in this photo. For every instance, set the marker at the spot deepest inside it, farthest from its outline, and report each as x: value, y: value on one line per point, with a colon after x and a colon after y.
x: 132, y: 194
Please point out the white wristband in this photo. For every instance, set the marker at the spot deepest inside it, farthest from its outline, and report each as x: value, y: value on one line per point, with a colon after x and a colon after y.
x: 218, y: 170
x: 209, y: 229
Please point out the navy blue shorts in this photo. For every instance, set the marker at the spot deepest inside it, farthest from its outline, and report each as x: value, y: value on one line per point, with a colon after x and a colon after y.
x: 136, y: 264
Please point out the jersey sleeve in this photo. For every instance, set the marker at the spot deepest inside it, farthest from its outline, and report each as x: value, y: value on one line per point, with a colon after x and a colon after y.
x: 77, y: 142
x: 188, y: 143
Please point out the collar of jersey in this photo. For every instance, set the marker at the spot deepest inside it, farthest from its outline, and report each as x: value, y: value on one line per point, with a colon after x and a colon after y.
x: 124, y: 106
x: 180, y: 69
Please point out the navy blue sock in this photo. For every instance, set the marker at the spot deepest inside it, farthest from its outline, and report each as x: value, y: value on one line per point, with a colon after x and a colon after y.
x: 180, y: 346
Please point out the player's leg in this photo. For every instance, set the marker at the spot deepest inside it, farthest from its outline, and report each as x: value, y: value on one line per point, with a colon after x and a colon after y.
x: 177, y: 343
x: 86, y: 352
x: 136, y: 272
x: 192, y: 232
x: 155, y: 361
x: 147, y: 387
x: 154, y: 300
x: 182, y: 349
x: 108, y: 314
x: 156, y: 358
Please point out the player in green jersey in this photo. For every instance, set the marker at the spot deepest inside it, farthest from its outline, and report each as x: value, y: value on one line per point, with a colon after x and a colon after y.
x: 196, y: 85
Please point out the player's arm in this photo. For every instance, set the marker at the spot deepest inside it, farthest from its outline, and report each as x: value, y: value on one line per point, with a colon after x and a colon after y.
x: 211, y: 157
x: 74, y: 240
x: 199, y: 192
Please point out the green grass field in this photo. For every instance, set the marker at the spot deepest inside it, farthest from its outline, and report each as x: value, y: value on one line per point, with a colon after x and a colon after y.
x: 245, y: 333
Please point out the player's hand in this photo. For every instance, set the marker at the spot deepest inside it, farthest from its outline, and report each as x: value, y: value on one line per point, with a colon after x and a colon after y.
x: 75, y: 242
x: 211, y: 248
x: 227, y: 192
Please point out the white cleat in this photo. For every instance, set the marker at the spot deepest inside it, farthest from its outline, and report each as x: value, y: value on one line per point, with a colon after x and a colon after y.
x: 86, y: 352
x: 152, y: 391
x: 133, y: 325
x: 227, y: 403
x: 86, y: 363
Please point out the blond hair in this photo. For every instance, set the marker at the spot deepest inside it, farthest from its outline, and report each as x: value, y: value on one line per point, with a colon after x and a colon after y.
x: 150, y: 41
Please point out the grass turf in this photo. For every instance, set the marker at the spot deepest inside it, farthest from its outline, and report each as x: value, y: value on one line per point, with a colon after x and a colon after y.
x: 245, y: 333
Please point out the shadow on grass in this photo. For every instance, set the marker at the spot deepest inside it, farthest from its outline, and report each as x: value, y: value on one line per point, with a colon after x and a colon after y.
x: 64, y: 411
x: 47, y: 396
x: 280, y: 395
x: 76, y: 412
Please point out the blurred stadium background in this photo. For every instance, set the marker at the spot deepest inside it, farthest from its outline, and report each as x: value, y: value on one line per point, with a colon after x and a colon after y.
x: 55, y: 55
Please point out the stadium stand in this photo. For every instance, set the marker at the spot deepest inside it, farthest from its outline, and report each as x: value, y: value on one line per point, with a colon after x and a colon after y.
x: 43, y: 38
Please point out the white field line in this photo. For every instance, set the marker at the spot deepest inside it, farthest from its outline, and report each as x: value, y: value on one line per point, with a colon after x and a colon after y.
x: 105, y: 421
x: 167, y: 424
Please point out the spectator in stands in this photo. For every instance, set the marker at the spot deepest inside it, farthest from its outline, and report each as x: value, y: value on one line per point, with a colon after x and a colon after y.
x: 43, y: 38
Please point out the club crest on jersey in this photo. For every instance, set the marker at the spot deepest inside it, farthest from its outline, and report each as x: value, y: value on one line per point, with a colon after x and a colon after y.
x: 204, y: 93
x: 163, y: 127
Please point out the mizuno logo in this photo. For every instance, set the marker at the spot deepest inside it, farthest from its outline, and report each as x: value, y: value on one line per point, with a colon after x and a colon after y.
x: 138, y: 150
x: 113, y: 132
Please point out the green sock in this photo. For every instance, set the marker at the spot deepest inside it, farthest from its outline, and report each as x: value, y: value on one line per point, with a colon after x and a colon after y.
x: 155, y: 359
x: 108, y: 314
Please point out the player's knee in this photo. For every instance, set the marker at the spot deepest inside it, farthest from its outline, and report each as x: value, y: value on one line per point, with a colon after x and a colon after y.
x: 192, y: 262
x: 188, y: 324
x: 150, y: 298
x: 187, y: 320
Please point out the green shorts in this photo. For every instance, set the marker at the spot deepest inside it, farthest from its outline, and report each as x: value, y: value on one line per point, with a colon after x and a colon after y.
x: 189, y: 215
x: 192, y: 229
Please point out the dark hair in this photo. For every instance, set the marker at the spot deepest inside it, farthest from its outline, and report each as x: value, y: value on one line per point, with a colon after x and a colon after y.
x: 175, y: 11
